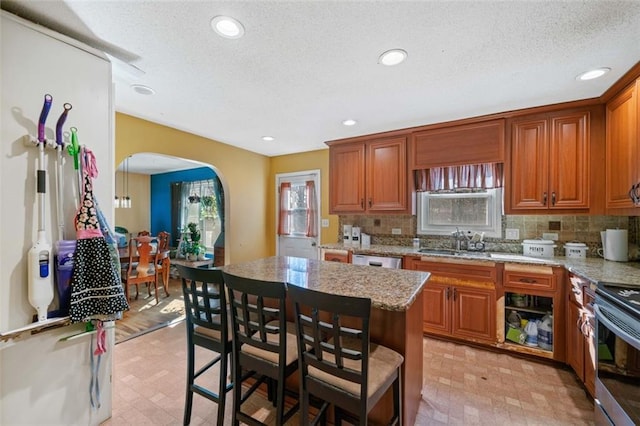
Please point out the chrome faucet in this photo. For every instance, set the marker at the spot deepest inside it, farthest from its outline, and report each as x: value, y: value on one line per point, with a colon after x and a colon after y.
x: 456, y: 241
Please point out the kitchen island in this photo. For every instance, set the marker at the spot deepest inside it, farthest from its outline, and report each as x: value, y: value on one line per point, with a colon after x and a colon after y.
x: 396, y: 317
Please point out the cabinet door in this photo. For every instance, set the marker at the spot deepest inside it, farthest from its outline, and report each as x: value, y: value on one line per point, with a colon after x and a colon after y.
x: 621, y: 148
x: 575, y: 340
x: 436, y: 309
x: 529, y: 165
x: 474, y: 314
x: 569, y: 162
x: 387, y: 175
x: 346, y: 178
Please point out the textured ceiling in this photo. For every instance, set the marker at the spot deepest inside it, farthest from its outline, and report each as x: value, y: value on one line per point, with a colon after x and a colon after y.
x: 304, y: 66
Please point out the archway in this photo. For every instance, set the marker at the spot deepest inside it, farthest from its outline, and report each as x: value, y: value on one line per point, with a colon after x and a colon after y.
x: 133, y: 180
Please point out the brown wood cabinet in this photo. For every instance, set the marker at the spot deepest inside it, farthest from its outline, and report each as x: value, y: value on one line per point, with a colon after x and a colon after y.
x: 368, y: 176
x: 580, y: 325
x: 622, y: 153
x: 459, y: 299
x: 550, y: 162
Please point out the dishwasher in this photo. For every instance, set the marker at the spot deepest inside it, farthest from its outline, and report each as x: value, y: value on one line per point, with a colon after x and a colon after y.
x: 381, y: 261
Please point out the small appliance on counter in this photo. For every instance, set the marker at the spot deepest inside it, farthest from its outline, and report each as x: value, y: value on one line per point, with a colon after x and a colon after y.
x: 365, y: 240
x: 355, y: 236
x: 615, y: 245
x: 346, y: 234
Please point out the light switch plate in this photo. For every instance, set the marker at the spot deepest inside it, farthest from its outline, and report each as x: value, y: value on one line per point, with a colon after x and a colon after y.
x: 550, y: 236
x: 396, y: 231
x: 325, y: 223
x: 512, y: 234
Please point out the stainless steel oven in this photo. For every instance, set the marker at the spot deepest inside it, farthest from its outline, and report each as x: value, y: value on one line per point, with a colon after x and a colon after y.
x: 617, y: 312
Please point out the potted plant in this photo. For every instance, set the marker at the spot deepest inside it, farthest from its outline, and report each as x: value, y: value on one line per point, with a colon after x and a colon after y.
x: 193, y: 246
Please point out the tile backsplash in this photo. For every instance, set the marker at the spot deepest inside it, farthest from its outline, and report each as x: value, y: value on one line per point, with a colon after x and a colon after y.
x: 585, y: 229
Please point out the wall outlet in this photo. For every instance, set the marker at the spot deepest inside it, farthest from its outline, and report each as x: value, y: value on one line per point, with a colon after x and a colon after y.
x: 396, y: 231
x: 550, y: 236
x: 325, y: 223
x: 512, y: 234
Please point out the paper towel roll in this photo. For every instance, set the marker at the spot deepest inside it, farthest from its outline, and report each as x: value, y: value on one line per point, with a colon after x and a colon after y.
x: 616, y: 245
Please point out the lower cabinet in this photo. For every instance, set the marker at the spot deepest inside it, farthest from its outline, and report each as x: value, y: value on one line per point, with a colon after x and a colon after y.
x: 460, y: 304
x: 331, y: 255
x: 533, y: 297
x: 580, y: 324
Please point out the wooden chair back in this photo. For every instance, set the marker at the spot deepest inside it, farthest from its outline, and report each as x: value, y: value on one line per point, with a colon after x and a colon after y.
x: 142, y: 264
x: 163, y: 241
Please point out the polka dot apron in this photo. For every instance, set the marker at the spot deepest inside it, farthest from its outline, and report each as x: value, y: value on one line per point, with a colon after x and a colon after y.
x: 96, y: 291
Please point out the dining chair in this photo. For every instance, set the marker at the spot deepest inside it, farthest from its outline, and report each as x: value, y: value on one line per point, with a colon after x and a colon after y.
x: 164, y: 262
x: 264, y: 344
x: 208, y: 327
x: 338, y: 363
x: 141, y: 267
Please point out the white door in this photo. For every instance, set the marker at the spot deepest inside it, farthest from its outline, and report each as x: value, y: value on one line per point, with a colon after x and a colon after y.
x: 298, y: 214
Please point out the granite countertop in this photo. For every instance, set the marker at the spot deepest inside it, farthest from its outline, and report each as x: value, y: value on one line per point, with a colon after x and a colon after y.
x: 389, y: 289
x: 596, y: 270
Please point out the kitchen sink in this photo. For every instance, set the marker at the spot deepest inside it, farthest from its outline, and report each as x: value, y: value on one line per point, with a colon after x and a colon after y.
x: 437, y: 251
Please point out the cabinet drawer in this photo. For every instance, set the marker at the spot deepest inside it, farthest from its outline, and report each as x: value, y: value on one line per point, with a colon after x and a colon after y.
x: 529, y: 279
x: 457, y: 273
x: 342, y: 256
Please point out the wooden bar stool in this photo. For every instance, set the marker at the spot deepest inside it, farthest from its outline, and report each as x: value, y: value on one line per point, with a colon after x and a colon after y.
x: 208, y: 326
x: 264, y: 344
x: 338, y: 364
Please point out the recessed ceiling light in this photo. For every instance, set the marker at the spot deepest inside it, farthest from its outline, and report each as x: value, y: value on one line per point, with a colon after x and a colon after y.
x: 227, y: 27
x: 349, y: 122
x: 392, y: 57
x: 268, y: 138
x: 590, y: 75
x: 142, y: 89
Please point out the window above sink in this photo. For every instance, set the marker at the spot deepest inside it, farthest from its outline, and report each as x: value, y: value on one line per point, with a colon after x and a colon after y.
x: 442, y: 213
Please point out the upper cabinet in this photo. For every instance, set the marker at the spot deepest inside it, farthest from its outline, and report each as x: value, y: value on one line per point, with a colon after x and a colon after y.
x: 368, y: 176
x: 550, y: 157
x: 622, y: 168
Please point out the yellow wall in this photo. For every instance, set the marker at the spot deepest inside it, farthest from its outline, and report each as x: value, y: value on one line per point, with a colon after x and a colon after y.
x: 137, y: 217
x: 299, y: 162
x: 245, y: 177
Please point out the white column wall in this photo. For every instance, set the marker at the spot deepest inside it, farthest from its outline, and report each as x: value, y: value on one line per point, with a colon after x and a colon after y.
x: 44, y: 380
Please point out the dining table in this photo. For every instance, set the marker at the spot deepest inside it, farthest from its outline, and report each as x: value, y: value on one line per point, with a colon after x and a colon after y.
x: 396, y: 314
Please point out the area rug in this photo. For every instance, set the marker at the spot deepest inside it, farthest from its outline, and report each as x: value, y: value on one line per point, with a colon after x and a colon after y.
x: 145, y: 315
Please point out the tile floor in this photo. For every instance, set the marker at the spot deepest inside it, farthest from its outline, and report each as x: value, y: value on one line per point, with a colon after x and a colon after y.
x: 462, y: 386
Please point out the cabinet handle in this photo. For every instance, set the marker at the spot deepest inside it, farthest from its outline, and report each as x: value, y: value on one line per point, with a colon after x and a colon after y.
x: 527, y: 280
x: 544, y: 198
x: 370, y: 202
x: 553, y: 198
x: 362, y: 203
x: 446, y: 293
x: 455, y: 291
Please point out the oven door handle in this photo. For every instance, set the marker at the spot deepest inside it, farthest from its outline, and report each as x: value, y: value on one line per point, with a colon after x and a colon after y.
x: 614, y: 328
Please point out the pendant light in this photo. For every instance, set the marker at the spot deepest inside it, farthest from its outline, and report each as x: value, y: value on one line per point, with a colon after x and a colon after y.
x: 127, y: 199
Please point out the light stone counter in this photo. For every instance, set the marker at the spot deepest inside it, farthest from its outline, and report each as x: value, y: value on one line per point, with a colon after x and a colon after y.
x: 388, y: 289
x: 595, y: 270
